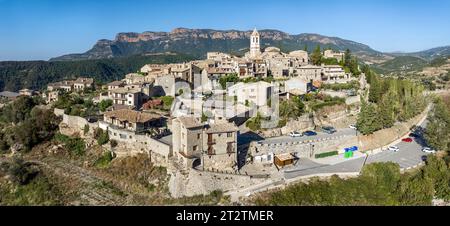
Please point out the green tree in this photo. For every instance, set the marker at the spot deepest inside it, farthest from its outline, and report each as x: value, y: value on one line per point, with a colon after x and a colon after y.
x: 105, y: 104
x: 437, y: 133
x: 438, y: 172
x: 375, y: 91
x: 368, y: 121
x: 316, y: 56
x: 231, y: 78
x: 103, y: 138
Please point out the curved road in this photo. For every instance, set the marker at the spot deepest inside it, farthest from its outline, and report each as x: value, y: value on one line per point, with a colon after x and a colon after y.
x: 409, y: 155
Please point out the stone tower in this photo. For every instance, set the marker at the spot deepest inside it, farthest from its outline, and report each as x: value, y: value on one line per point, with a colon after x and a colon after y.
x: 255, y: 46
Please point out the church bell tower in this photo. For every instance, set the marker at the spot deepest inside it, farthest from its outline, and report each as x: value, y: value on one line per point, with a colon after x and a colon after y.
x: 255, y: 46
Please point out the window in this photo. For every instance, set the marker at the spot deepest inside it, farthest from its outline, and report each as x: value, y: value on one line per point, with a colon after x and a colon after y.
x: 198, y: 136
x: 194, y: 148
x: 229, y: 134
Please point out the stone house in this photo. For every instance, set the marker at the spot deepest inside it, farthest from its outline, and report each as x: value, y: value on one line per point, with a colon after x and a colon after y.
x: 185, y: 71
x: 130, y: 120
x: 309, y: 72
x: 258, y: 93
x: 334, y: 74
x: 332, y: 54
x: 163, y: 86
x: 62, y: 85
x: 115, y: 85
x: 295, y: 87
x: 187, y: 134
x: 27, y: 92
x: 126, y: 96
x: 211, y: 146
x: 83, y: 83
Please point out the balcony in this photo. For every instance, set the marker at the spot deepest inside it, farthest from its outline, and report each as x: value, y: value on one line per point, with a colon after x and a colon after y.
x: 212, y: 141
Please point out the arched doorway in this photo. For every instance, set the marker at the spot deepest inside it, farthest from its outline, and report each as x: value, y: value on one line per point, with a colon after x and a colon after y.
x: 196, y: 163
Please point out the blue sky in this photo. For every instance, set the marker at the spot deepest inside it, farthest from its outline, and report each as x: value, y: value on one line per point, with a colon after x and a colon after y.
x: 41, y: 29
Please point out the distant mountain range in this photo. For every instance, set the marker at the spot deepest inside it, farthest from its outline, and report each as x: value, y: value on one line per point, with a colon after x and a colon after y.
x: 197, y: 42
x: 428, y: 54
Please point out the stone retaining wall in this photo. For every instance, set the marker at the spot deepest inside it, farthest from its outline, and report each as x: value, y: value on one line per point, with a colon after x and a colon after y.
x: 201, y: 183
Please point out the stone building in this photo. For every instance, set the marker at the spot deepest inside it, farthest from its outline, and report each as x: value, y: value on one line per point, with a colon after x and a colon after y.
x: 309, y: 72
x: 334, y: 74
x: 130, y: 120
x: 83, y: 83
x: 210, y: 146
x: 257, y: 93
x: 126, y: 96
x: 115, y: 85
x: 27, y: 92
x: 187, y: 133
x: 221, y: 143
x: 332, y: 54
x: 62, y: 85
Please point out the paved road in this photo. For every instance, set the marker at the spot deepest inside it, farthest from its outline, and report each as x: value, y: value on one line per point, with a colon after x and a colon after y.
x: 409, y: 155
x: 305, y: 168
x: 320, y: 135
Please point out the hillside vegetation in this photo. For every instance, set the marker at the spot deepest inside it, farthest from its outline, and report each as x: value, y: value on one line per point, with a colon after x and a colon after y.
x: 15, y: 75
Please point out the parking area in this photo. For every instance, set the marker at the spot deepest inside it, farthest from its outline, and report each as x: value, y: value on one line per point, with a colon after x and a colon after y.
x: 409, y: 155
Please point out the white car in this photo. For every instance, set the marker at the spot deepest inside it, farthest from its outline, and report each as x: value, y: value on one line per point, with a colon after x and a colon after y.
x: 428, y: 150
x: 394, y: 148
x: 353, y: 127
x: 295, y: 134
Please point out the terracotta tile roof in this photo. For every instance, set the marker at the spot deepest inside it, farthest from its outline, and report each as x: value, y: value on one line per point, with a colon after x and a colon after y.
x: 131, y: 116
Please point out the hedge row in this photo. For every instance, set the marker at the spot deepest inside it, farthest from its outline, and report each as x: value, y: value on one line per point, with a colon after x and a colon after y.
x: 326, y: 154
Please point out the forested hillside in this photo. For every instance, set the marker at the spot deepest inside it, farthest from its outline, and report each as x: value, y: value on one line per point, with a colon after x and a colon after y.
x: 15, y: 75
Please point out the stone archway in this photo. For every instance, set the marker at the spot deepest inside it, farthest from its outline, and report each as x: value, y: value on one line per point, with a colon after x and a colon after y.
x: 196, y: 163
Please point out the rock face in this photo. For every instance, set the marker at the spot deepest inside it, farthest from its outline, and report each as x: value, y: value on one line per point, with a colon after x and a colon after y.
x: 197, y: 42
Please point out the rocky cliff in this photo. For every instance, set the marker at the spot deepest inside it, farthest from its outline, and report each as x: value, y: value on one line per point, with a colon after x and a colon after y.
x: 197, y: 42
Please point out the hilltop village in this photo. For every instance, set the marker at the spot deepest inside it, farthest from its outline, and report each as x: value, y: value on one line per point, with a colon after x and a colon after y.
x: 218, y: 117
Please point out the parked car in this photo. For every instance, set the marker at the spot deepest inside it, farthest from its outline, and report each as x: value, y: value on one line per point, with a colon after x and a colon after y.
x: 428, y: 150
x: 353, y: 127
x: 394, y: 148
x: 329, y: 129
x: 414, y: 135
x: 295, y: 134
x: 309, y: 133
x: 407, y: 140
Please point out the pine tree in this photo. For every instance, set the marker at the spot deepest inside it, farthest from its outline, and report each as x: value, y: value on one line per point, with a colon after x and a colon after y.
x: 375, y: 90
x: 368, y: 121
x: 316, y: 56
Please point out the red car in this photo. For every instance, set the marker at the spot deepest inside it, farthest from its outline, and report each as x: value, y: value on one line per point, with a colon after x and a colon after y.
x: 407, y: 140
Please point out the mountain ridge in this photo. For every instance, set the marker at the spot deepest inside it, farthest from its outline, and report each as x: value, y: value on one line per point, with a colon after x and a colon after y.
x: 197, y: 42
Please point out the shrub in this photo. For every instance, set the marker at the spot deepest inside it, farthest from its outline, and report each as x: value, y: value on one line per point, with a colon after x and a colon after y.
x: 76, y: 146
x: 326, y: 154
x: 104, y: 160
x: 103, y: 138
x: 86, y: 129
